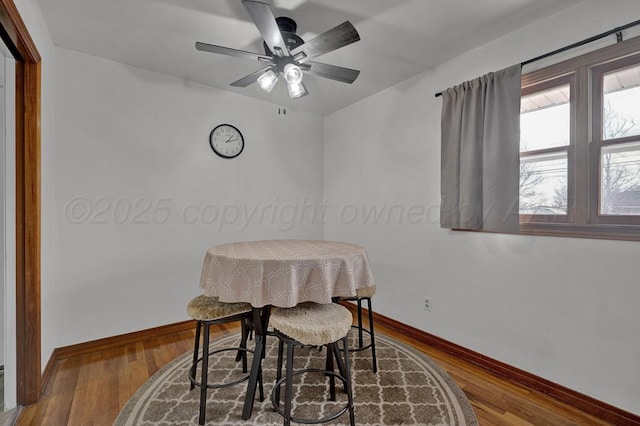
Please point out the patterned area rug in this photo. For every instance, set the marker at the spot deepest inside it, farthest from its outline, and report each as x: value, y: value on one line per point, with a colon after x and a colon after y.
x: 409, y: 389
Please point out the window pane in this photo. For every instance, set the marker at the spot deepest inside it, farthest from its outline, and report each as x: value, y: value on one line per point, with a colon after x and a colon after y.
x: 545, y: 119
x: 621, y: 115
x: 543, y: 184
x: 620, y: 180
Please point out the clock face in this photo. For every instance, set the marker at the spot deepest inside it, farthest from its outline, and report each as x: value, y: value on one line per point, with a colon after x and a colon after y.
x: 226, y: 141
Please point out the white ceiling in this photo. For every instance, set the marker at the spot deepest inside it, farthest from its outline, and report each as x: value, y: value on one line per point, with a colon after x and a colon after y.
x: 399, y: 38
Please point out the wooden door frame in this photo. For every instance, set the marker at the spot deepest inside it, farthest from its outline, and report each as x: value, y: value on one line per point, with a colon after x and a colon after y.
x: 15, y: 35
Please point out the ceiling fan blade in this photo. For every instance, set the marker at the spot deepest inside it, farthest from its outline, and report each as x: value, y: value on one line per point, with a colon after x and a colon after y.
x: 337, y: 37
x: 332, y: 72
x: 265, y: 21
x: 251, y: 78
x: 212, y: 48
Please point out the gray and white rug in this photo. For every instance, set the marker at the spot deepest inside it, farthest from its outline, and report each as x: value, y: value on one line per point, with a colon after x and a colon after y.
x: 409, y: 389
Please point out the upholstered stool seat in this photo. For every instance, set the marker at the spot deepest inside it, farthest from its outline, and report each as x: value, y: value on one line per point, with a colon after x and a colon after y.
x: 365, y: 293
x: 312, y: 324
x: 203, y: 308
x: 208, y: 311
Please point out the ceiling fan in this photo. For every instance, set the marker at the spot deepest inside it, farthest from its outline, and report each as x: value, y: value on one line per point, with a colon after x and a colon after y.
x: 287, y: 54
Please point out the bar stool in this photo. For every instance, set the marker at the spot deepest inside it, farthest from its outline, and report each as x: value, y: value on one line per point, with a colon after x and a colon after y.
x: 312, y: 324
x: 208, y: 311
x: 365, y: 293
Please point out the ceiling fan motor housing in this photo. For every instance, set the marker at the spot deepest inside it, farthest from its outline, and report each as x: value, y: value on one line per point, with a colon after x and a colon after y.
x: 288, y: 29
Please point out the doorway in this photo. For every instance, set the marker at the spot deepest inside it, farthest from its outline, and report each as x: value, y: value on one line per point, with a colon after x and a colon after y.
x: 26, y: 175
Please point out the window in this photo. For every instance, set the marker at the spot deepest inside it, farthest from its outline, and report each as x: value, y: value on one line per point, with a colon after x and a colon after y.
x: 545, y: 139
x: 617, y: 140
x: 580, y: 146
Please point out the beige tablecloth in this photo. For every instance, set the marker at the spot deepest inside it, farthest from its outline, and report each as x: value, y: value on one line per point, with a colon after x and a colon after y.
x: 284, y: 273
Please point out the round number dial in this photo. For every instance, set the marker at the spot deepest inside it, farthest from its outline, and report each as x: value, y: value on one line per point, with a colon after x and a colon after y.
x: 226, y: 141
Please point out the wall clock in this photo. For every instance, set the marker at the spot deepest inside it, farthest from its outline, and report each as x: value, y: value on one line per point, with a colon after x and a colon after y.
x: 226, y: 141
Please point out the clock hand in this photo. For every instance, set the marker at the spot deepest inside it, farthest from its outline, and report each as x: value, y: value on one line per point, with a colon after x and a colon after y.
x: 231, y: 140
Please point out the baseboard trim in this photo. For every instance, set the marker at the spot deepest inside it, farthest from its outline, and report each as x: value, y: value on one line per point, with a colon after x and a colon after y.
x: 123, y: 339
x: 52, y: 363
x: 584, y: 402
x: 64, y: 352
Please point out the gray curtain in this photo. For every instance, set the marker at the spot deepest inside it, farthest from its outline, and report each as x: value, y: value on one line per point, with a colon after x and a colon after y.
x: 480, y: 174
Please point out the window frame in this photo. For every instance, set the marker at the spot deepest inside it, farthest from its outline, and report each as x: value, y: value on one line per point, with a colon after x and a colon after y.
x: 583, y: 218
x: 598, y: 141
x: 563, y: 80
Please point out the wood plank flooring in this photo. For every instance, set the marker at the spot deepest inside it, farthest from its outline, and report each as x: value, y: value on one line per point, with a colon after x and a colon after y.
x: 91, y: 389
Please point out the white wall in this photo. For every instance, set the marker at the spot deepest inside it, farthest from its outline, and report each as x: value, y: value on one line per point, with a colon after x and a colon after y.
x: 126, y: 135
x: 32, y: 16
x: 564, y: 309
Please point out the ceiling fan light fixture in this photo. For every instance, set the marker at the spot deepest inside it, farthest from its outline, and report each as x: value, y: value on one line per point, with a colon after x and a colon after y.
x: 267, y: 81
x: 295, y: 90
x: 293, y: 74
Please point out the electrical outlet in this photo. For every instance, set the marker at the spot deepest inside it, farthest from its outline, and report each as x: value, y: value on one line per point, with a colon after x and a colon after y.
x: 427, y: 304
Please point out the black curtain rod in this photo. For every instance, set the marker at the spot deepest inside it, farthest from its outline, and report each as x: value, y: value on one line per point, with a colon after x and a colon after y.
x: 617, y: 31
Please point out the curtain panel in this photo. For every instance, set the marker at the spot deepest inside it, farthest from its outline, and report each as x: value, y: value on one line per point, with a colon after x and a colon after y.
x: 480, y: 165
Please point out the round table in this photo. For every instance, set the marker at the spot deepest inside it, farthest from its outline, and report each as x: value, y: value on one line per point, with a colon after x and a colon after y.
x: 284, y: 273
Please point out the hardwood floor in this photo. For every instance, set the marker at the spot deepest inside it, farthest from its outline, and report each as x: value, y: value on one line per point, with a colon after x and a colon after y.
x: 90, y: 389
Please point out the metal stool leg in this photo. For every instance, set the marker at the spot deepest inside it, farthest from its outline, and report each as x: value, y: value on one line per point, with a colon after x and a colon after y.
x: 242, y: 355
x: 372, y: 336
x: 347, y: 375
x: 260, y: 385
x: 288, y: 390
x: 329, y: 367
x: 279, y: 368
x: 205, y: 373
x: 196, y: 348
x: 336, y: 351
x: 360, y: 341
